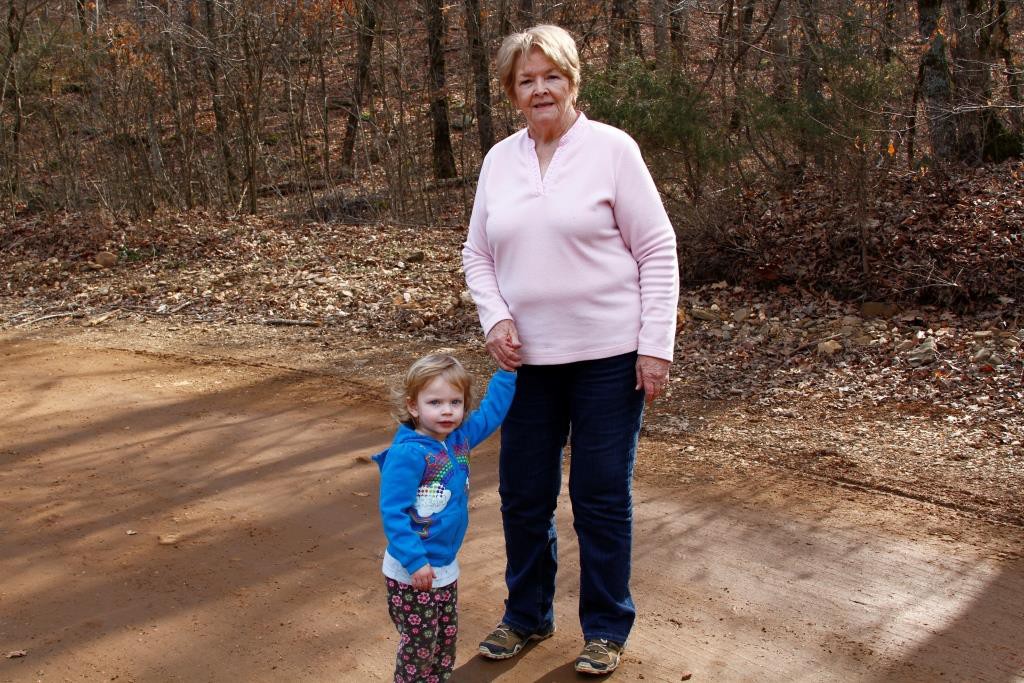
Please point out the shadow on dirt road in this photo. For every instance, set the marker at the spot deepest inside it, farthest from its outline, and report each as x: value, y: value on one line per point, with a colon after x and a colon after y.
x: 167, y: 519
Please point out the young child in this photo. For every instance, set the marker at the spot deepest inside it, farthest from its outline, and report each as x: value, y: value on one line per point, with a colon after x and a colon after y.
x: 424, y: 505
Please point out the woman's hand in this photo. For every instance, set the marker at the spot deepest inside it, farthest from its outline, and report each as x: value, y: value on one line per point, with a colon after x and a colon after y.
x: 503, y: 344
x: 423, y: 578
x: 651, y: 376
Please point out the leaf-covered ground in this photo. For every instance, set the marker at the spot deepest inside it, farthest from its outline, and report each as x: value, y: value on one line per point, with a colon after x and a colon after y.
x: 914, y: 401
x: 923, y: 403
x: 951, y: 239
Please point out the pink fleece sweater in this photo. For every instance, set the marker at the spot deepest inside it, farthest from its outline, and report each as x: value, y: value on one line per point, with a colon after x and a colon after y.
x: 583, y: 260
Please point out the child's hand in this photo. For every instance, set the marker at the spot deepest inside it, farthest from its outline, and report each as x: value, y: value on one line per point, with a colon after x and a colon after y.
x: 423, y: 578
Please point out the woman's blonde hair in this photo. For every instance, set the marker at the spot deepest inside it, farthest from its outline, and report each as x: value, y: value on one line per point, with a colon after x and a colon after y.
x: 422, y: 373
x: 556, y: 44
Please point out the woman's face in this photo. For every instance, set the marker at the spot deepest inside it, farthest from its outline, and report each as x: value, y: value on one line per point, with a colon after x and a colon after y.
x: 543, y: 93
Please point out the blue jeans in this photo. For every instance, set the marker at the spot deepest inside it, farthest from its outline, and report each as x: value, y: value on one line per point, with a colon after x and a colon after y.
x: 596, y: 402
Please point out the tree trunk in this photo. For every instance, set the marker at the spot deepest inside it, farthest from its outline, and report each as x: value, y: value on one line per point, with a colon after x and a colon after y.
x: 746, y: 18
x: 444, y: 157
x: 1014, y: 79
x: 367, y: 29
x: 217, y: 102
x: 810, y: 88
x: 325, y: 117
x: 82, y: 14
x: 616, y: 31
x: 255, y: 33
x: 10, y: 154
x: 782, y: 61
x: 745, y: 31
x: 659, y: 18
x: 14, y: 171
x: 936, y: 87
x: 182, y: 125
x: 524, y: 14
x: 889, y: 30
x: 481, y: 75
x: 160, y: 184
x: 678, y: 27
x: 973, y: 59
x: 633, y: 29
x: 504, y: 18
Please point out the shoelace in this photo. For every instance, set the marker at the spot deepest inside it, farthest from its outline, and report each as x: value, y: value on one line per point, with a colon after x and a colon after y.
x: 599, y: 646
x: 503, y: 631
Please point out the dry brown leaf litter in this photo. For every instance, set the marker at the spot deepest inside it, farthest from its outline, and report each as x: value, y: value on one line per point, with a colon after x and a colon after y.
x: 920, y: 402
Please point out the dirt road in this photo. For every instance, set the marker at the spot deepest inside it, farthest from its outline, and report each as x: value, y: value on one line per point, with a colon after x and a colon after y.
x: 168, y: 519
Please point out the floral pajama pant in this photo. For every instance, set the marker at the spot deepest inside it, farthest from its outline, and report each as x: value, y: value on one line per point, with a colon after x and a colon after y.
x: 427, y: 623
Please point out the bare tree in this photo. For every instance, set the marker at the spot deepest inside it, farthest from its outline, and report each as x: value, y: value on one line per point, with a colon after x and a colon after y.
x: 633, y: 29
x: 781, y: 57
x: 972, y: 62
x: 444, y: 156
x: 504, y: 15
x: 321, y: 46
x: 616, y: 31
x: 11, y: 96
x: 19, y: 64
x: 82, y: 15
x: 194, y: 103
x: 810, y: 78
x: 366, y: 25
x: 214, y: 55
x: 249, y: 31
x: 678, y: 26
x: 481, y: 75
x: 935, y: 81
x: 524, y: 14
x: 889, y: 36
x: 659, y: 17
x: 1014, y: 74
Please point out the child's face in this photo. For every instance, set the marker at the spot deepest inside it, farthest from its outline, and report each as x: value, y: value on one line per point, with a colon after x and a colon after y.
x: 438, y: 409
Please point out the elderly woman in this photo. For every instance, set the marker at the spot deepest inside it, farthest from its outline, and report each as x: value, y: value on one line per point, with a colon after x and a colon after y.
x: 571, y: 260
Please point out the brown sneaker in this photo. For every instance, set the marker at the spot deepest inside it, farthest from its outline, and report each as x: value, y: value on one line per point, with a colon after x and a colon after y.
x: 599, y: 657
x: 504, y: 641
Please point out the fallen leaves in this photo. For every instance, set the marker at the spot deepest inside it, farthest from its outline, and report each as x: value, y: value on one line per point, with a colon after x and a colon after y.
x: 944, y: 239
x: 829, y: 348
x: 265, y: 271
x: 783, y: 348
x: 105, y: 259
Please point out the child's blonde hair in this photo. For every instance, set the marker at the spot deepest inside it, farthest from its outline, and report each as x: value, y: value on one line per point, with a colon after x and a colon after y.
x: 422, y: 373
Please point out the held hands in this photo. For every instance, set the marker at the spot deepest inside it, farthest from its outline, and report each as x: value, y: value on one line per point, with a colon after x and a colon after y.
x: 423, y: 578
x: 651, y: 376
x: 503, y: 344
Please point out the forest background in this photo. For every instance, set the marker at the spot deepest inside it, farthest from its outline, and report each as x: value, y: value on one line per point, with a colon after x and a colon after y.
x: 226, y: 226
x: 832, y: 144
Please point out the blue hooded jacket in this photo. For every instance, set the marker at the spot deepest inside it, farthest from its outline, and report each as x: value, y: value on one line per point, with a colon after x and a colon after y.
x: 424, y: 485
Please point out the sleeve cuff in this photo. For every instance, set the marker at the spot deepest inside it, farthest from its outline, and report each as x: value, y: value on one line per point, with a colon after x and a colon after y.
x: 656, y: 352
